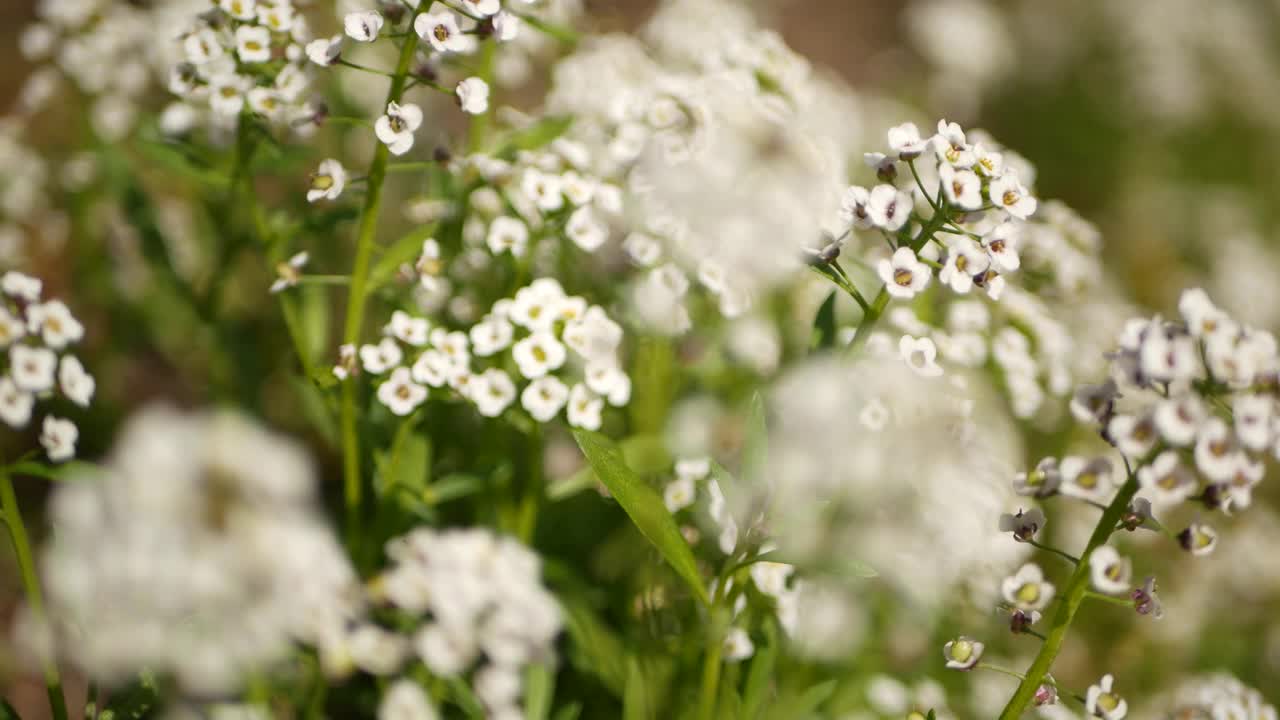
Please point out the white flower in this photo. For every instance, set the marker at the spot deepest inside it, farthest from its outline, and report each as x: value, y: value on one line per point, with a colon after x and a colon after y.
x: 77, y: 384
x: 534, y: 307
x: 240, y: 9
x: 506, y: 26
x: 595, y: 336
x: 538, y: 354
x: 59, y: 437
x: 643, y: 250
x: 1168, y: 359
x: 483, y: 8
x: 1002, y: 245
x: 441, y: 30
x: 362, y: 26
x: 491, y: 335
x: 32, y: 367
x: 888, y: 207
x: 18, y: 285
x: 962, y: 653
x: 964, y: 261
x: 433, y: 368
x: 609, y: 381
x: 963, y: 188
x: 1198, y: 539
x: 400, y: 393
x: 988, y: 162
x: 737, y: 645
x: 377, y: 359
x: 904, y: 275
x: 905, y: 140
x: 543, y: 398
x: 771, y: 578
x: 507, y: 233
x: 1253, y: 415
x: 406, y: 700
x: 1168, y: 479
x: 323, y: 51
x: 679, y: 494
x: 473, y: 96
x: 328, y: 181
x: 493, y: 392
x: 853, y: 208
x: 1201, y: 315
x: 1102, y: 702
x: 377, y: 651
x: 585, y: 408
x: 289, y: 273
x: 1087, y: 479
x: 408, y: 329
x: 1239, y: 489
x: 693, y: 468
x: 1024, y: 525
x: 454, y: 345
x: 1145, y: 601
x: 585, y: 230
x: 226, y: 94
x: 397, y: 126
x: 279, y: 16
x: 544, y: 189
x: 951, y: 145
x: 1006, y: 192
x: 1027, y: 590
x: 920, y: 354
x: 253, y: 44
x: 1133, y: 436
x: 1109, y: 571
x: 15, y: 404
x: 1215, y: 450
x: 1178, y: 419
x: 202, y: 46
x: 55, y: 324
x: 346, y: 361
x: 12, y: 328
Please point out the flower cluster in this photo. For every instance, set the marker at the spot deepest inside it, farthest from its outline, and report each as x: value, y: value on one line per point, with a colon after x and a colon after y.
x: 37, y: 366
x: 1219, y: 696
x: 243, y: 54
x: 482, y: 609
x: 209, y: 576
x: 531, y: 333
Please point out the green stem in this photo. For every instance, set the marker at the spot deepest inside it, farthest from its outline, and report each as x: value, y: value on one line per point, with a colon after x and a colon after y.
x: 1074, y: 593
x: 478, y: 132
x: 1002, y: 671
x: 1123, y: 602
x: 1054, y: 550
x: 357, y: 296
x: 30, y: 586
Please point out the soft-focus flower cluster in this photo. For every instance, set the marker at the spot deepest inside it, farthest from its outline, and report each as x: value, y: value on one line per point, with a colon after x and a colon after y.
x: 36, y: 336
x: 1217, y: 696
x: 479, y: 607
x: 197, y: 552
x: 540, y: 335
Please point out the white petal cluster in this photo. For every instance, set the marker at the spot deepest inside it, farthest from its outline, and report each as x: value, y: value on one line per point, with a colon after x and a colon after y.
x: 35, y: 337
x: 232, y: 537
x: 479, y: 607
x: 1218, y: 696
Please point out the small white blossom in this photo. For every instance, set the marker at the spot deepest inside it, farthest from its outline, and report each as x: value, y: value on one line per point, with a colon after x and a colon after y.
x: 1042, y: 481
x: 377, y: 359
x: 491, y: 335
x: 853, y: 208
x: 586, y: 230
x: 963, y: 188
x: 905, y: 140
x: 253, y: 44
x: 473, y: 96
x: 965, y: 260
x: 400, y: 393
x: 1087, y: 479
x: 240, y: 9
x: 493, y: 392
x: 1178, y: 419
x: 406, y: 700
x: 544, y: 189
x: 328, y: 181
x: 737, y: 645
x: 1006, y: 192
x: 1002, y: 245
x: 15, y: 404
x: 544, y: 398
x: 20, y: 286
x: 12, y: 328
x: 324, y: 51
x: 1167, y: 479
x: 58, y: 436
x: 1198, y: 539
x: 888, y: 207
x: 395, y: 129
x: 507, y: 234
x: 76, y: 384
x: 1024, y: 525
x: 952, y: 146
x: 920, y: 354
x: 1104, y: 703
x: 54, y: 323
x: 1215, y: 450
x: 1109, y: 572
x: 32, y: 368
x: 585, y: 408
x: 441, y: 31
x: 538, y: 354
x: 1027, y: 590
x: 289, y: 273
x: 408, y: 329
x: 962, y: 653
x: 362, y: 26
x: 903, y: 275
x: 1133, y: 436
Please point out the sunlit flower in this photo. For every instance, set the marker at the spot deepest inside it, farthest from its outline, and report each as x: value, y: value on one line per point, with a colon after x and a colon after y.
x: 328, y: 181
x: 1103, y: 702
x: 963, y: 653
x: 362, y: 26
x: 1109, y: 571
x: 473, y: 96
x: 1027, y: 589
x: 395, y: 129
x: 58, y: 436
x: 903, y: 276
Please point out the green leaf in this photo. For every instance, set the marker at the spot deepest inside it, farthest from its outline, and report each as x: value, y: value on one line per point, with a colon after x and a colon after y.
x: 643, y: 505
x: 635, y: 701
x: 652, y: 372
x: 315, y: 408
x: 407, y: 464
x: 594, y: 648
x: 824, y: 324
x: 539, y: 684
x: 538, y: 135
x: 569, y: 712
x: 72, y: 470
x: 452, y: 487
x: 405, y: 250
x: 7, y: 712
x: 760, y: 676
x: 646, y: 454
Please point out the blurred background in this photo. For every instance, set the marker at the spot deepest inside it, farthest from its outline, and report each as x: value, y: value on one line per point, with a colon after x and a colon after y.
x: 1158, y: 120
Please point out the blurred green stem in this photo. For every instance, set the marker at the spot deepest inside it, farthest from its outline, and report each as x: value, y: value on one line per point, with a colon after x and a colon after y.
x: 1074, y: 593
x: 30, y: 586
x: 365, y: 245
